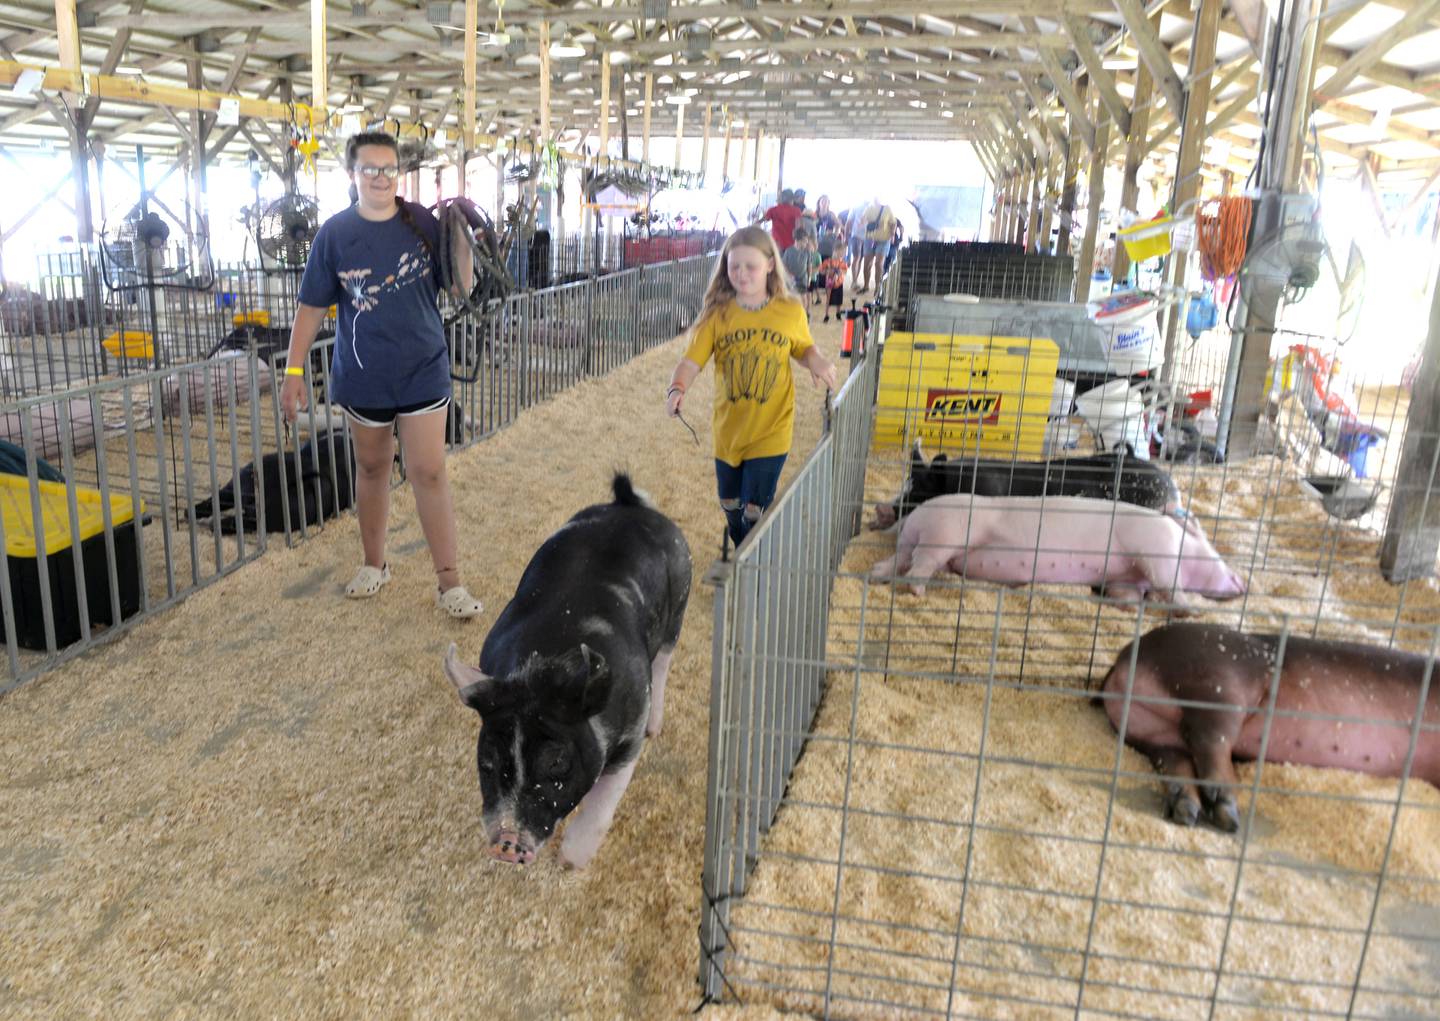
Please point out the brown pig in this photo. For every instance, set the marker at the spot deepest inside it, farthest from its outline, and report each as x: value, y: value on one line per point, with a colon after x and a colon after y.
x: 1338, y: 704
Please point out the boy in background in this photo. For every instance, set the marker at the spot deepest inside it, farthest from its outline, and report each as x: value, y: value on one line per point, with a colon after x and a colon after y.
x: 833, y: 270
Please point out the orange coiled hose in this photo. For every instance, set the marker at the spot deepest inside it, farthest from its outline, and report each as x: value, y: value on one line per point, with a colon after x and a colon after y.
x: 1220, y: 235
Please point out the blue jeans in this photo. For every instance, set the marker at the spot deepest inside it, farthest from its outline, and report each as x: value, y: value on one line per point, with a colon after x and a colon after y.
x: 746, y: 491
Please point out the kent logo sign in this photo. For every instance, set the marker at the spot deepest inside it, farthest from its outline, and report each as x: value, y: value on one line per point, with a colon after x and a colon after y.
x: 962, y: 406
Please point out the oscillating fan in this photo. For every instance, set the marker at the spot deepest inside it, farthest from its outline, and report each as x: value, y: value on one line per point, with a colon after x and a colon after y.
x: 285, y: 229
x: 1292, y: 261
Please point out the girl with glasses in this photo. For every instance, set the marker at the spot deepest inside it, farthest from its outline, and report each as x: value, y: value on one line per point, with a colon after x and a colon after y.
x: 390, y: 372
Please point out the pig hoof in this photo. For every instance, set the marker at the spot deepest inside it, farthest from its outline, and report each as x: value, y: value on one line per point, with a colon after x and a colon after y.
x: 1224, y: 815
x: 1182, y: 810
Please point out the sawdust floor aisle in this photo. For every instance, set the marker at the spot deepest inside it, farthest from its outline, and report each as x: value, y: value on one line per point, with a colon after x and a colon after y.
x: 264, y: 802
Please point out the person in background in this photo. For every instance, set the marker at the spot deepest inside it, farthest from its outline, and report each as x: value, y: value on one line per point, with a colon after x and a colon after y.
x: 796, y: 260
x: 828, y: 226
x: 783, y: 216
x: 832, y: 271
x: 752, y: 325
x: 878, y: 223
x: 391, y: 368
x: 855, y: 243
x: 807, y: 216
x: 896, y: 239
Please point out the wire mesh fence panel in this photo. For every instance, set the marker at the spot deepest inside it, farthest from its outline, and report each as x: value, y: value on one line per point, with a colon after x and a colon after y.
x: 965, y: 832
x: 172, y: 477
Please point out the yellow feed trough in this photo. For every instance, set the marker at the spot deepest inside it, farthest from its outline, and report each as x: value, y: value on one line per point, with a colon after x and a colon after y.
x: 966, y: 394
x: 260, y: 317
x: 129, y: 344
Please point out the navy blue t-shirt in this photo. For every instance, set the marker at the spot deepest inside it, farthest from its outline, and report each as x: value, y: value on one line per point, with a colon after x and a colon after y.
x: 390, y: 344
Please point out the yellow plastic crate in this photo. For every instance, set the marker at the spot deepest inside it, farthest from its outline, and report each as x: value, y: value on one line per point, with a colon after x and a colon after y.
x: 966, y: 394
x: 130, y: 344
x: 1149, y: 239
x: 55, y: 515
x: 260, y: 317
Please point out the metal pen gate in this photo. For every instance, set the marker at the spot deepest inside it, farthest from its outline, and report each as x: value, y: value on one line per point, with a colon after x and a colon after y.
x: 915, y: 810
x: 171, y: 434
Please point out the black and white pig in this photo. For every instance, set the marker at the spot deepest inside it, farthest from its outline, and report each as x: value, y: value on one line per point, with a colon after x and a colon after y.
x: 572, y: 675
x: 1112, y: 476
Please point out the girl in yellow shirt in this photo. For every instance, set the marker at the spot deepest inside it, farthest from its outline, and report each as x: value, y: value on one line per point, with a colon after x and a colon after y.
x: 752, y: 323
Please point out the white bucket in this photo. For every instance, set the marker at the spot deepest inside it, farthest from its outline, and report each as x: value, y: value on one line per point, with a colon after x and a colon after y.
x: 1115, y: 410
x: 1062, y: 396
x: 1061, y: 434
x: 1115, y: 434
x: 1129, y: 344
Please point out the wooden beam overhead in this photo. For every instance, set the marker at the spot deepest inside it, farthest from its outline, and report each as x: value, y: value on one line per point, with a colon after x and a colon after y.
x: 1153, y: 52
x: 1413, y: 21
x: 1079, y: 32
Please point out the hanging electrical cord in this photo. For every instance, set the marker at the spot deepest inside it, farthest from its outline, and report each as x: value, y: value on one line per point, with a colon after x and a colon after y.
x: 1221, y: 235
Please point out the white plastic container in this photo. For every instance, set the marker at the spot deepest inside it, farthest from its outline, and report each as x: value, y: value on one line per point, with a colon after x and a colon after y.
x: 1131, y: 343
x: 1062, y: 397
x: 1116, y: 411
x: 1061, y: 435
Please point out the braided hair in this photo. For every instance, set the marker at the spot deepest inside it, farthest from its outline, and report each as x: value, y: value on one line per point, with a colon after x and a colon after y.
x: 386, y: 140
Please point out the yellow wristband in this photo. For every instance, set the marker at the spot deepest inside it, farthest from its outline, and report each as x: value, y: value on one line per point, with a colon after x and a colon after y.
x: 294, y: 370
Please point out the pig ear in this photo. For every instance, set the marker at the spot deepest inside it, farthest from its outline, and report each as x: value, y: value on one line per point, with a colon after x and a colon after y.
x: 475, y: 689
x: 597, y: 680
x: 917, y: 452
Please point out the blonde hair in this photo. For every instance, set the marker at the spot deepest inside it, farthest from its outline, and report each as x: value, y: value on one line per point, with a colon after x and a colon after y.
x: 721, y: 292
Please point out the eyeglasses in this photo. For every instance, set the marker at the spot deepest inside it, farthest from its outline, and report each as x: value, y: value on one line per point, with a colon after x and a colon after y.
x: 390, y: 173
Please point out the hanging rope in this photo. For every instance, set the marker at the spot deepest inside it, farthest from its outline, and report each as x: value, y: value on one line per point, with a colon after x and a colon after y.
x: 1221, y: 235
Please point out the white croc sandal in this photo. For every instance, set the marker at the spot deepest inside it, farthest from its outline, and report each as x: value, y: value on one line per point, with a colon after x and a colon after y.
x: 367, y: 581
x: 458, y: 603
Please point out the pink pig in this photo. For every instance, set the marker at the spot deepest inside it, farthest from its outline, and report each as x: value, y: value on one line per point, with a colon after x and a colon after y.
x: 1128, y: 551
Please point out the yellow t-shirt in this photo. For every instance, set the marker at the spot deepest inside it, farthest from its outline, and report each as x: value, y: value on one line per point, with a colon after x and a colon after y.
x: 754, y: 387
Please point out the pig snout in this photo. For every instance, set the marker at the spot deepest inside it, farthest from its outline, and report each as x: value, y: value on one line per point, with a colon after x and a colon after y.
x: 510, y: 846
x: 884, y: 516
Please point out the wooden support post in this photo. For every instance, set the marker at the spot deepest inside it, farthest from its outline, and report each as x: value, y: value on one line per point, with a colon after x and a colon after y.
x: 725, y: 148
x: 472, y: 27
x: 67, y: 31
x: 744, y: 143
x: 1032, y: 222
x: 1135, y: 149
x: 604, y: 159
x: 645, y: 120
x: 544, y: 82
x: 1192, y: 152
x: 679, y: 131
x: 1085, y: 264
x: 1048, y: 200
x: 319, y: 86
x: 780, y: 168
x: 67, y: 35
x: 1067, y: 193
x: 200, y: 137
x: 499, y: 155
x: 755, y: 162
x: 1412, y: 527
x: 705, y: 146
